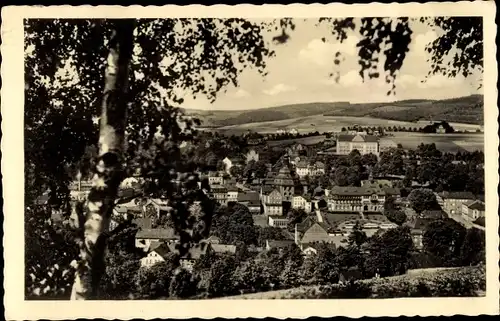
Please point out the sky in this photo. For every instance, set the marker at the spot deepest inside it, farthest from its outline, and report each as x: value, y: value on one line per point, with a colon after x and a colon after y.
x: 299, y: 73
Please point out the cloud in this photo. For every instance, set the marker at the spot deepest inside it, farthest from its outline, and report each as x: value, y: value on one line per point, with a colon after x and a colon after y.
x: 278, y: 89
x: 422, y: 40
x: 440, y: 81
x: 323, y: 53
x: 241, y: 93
x: 406, y: 81
x: 351, y: 79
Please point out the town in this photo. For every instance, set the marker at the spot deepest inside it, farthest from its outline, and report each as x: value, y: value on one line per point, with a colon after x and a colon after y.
x: 269, y: 199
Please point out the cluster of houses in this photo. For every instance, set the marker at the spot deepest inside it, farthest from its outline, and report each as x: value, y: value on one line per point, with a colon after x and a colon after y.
x: 332, y: 213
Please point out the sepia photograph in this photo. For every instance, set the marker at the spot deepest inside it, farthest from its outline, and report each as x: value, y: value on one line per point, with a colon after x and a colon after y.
x: 202, y: 158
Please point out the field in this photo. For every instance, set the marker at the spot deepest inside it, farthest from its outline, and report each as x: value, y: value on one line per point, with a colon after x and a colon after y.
x: 314, y: 123
x: 323, y: 123
x: 444, y: 142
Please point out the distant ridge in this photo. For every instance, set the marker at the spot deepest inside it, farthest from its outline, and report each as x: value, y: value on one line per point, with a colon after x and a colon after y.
x: 467, y: 109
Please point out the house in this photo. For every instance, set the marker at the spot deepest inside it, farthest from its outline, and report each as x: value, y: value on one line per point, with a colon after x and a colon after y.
x: 365, y: 144
x: 252, y: 155
x: 157, y: 255
x: 219, y: 194
x: 145, y: 237
x: 272, y: 203
x: 302, y: 168
x: 80, y: 189
x: 440, y: 130
x: 293, y: 131
x: 303, y: 202
x: 230, y: 162
x: 215, y: 178
x: 310, y: 233
x: 317, y: 169
x: 279, y: 244
x: 472, y: 210
x: 232, y: 193
x: 251, y: 200
x: 277, y: 221
x: 451, y: 202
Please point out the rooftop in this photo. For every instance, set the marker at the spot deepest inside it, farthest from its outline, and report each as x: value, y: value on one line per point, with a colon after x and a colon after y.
x: 358, y: 138
x: 475, y: 205
x: 157, y: 233
x: 457, y: 195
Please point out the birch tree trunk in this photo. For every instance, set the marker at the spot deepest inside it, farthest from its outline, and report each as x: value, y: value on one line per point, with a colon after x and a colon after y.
x: 108, y: 172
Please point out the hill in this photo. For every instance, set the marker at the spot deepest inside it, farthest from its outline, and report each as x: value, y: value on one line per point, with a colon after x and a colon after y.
x: 467, y: 109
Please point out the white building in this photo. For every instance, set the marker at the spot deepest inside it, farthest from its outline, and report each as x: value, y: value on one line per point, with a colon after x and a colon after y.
x: 367, y: 144
x: 302, y: 202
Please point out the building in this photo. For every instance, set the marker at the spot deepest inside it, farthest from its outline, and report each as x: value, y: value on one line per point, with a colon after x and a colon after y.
x: 278, y: 244
x: 309, y: 234
x: 472, y: 210
x: 80, y: 189
x: 146, y: 237
x: 365, y: 144
x: 358, y: 199
x: 272, y: 202
x: 386, y: 144
x: 232, y: 193
x: 215, y: 178
x: 285, y: 184
x: 302, y: 168
x: 157, y: 255
x: 252, y: 155
x: 278, y: 221
x: 219, y: 194
x: 440, y: 130
x: 230, y: 162
x: 303, y: 202
x: 451, y: 202
x: 251, y: 200
x: 317, y: 169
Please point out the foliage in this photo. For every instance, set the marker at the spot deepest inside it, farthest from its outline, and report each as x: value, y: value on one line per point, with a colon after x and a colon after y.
x: 389, y: 254
x: 50, y: 249
x: 182, y: 285
x: 422, y: 199
x: 234, y: 224
x: 444, y: 238
x: 221, y: 277
x: 396, y: 216
x: 154, y: 282
x: 473, y: 249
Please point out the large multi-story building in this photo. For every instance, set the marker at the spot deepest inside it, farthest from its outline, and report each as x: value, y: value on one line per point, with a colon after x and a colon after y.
x: 365, y: 144
x: 285, y: 184
x: 358, y: 199
x: 472, y: 210
x: 272, y: 202
x: 451, y: 202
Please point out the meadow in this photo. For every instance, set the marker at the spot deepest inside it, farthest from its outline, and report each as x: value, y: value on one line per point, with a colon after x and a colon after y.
x: 323, y: 123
